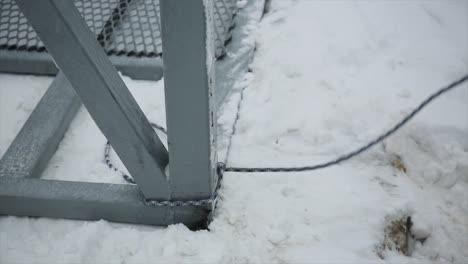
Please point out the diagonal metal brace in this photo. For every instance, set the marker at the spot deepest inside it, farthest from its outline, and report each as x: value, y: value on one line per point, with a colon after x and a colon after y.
x: 84, y: 63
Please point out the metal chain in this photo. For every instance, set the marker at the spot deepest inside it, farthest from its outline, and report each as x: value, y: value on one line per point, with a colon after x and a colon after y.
x: 111, y: 166
x: 167, y: 203
x: 221, y: 168
x: 203, y: 202
x: 360, y: 150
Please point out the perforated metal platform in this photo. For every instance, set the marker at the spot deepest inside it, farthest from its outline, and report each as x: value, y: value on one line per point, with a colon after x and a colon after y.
x: 128, y: 30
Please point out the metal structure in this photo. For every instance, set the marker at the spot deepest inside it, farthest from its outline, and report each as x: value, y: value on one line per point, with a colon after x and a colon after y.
x: 190, y: 77
x: 128, y: 30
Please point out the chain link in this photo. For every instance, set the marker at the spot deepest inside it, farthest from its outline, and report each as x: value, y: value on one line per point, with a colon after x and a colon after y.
x: 168, y: 203
x: 203, y: 202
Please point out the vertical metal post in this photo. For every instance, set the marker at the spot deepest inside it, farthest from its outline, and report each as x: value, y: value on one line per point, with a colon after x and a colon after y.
x: 188, y: 56
x: 83, y: 62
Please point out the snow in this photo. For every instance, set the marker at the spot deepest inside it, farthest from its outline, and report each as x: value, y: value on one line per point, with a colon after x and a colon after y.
x: 18, y: 97
x: 327, y: 77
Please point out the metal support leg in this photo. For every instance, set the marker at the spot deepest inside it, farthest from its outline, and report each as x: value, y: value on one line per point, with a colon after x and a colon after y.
x: 188, y: 77
x: 79, y: 56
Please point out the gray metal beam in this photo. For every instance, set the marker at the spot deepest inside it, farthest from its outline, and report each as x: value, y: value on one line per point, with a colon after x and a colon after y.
x: 41, y: 63
x: 27, y: 62
x: 84, y: 63
x: 139, y: 68
x: 40, y: 136
x: 188, y: 79
x: 90, y: 201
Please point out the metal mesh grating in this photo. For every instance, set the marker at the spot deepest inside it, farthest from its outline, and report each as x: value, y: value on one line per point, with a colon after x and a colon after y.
x: 122, y: 27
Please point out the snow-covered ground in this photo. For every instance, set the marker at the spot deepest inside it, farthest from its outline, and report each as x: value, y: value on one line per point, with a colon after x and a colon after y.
x: 327, y: 77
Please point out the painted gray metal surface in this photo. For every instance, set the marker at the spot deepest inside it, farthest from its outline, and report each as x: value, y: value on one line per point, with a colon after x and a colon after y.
x: 123, y: 203
x: 41, y: 63
x: 139, y: 68
x: 40, y: 136
x: 126, y: 29
x: 22, y: 51
x: 27, y: 62
x: 102, y: 91
x: 90, y: 201
x: 129, y: 28
x: 188, y: 83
